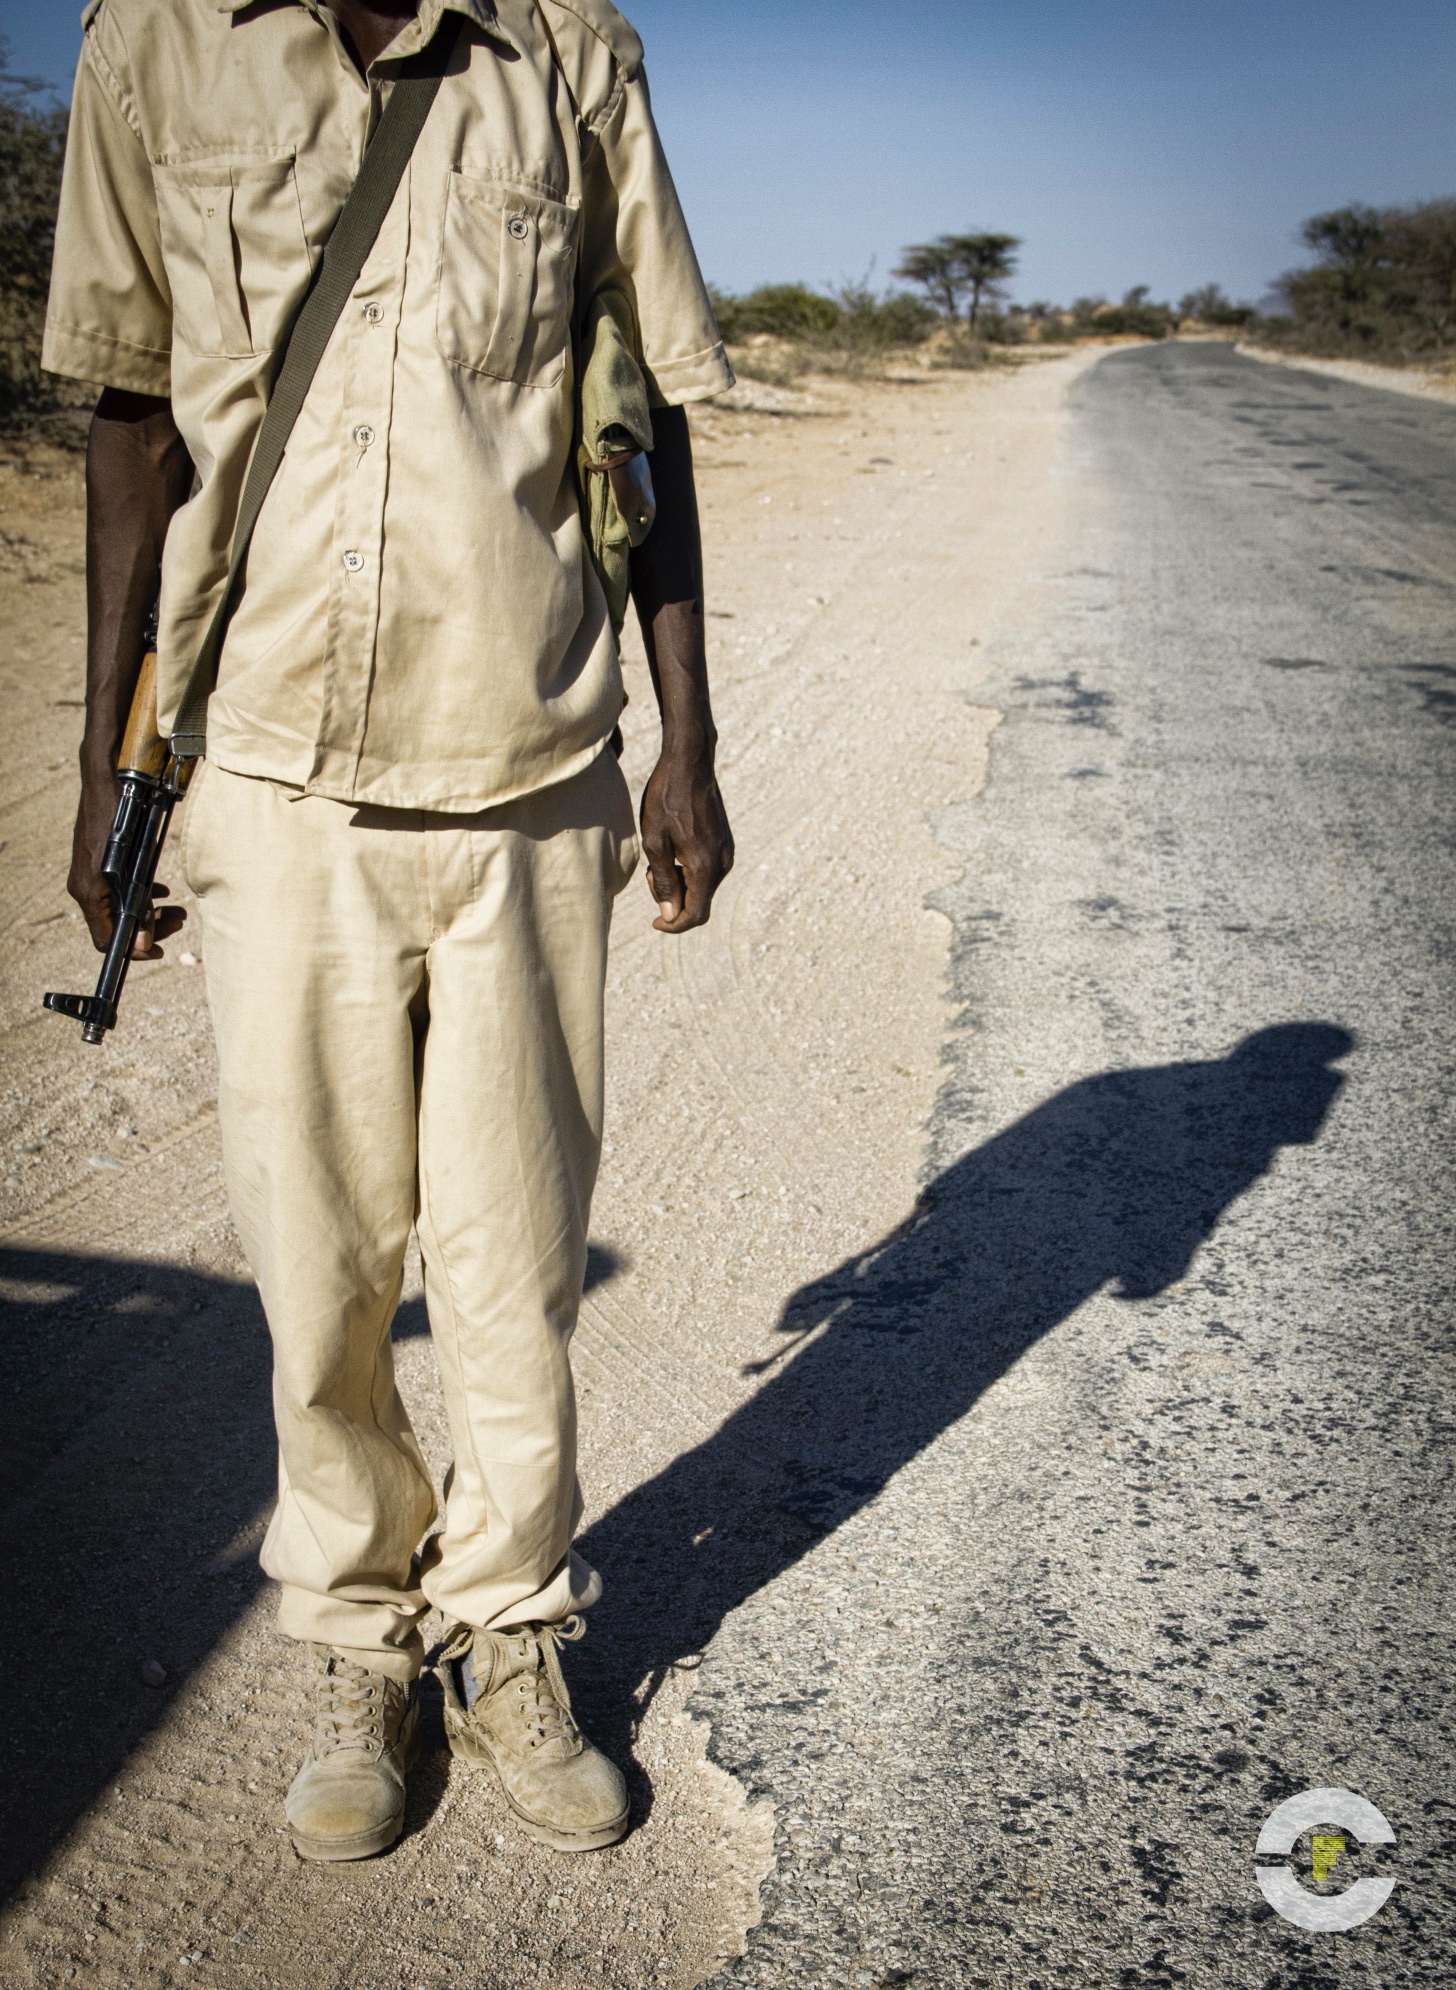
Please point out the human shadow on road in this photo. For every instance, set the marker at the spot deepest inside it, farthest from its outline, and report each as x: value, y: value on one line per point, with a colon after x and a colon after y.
x: 1116, y: 1180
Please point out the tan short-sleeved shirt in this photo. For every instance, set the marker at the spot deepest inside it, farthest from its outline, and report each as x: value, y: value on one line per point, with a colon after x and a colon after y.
x: 420, y: 627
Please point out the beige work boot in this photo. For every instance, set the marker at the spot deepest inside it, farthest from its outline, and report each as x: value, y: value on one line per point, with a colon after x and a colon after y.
x: 506, y: 1705
x: 347, y: 1801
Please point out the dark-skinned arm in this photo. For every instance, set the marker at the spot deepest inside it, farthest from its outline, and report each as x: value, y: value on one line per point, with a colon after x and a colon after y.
x: 685, y: 831
x: 138, y: 473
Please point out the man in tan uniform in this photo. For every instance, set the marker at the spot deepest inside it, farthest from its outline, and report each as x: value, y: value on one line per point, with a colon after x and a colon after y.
x: 410, y: 827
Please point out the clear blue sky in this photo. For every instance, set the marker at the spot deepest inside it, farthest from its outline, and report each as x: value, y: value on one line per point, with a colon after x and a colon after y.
x: 1127, y: 142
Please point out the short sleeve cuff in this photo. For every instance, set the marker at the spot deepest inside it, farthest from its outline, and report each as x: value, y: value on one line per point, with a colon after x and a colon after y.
x: 671, y: 382
x: 106, y: 362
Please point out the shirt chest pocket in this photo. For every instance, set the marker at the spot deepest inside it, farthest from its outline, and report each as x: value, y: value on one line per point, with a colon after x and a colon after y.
x: 236, y: 253
x: 507, y: 270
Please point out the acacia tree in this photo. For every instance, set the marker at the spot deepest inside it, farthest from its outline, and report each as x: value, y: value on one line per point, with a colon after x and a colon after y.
x: 953, y: 265
x: 985, y: 262
x: 939, y: 268
x: 1350, y: 237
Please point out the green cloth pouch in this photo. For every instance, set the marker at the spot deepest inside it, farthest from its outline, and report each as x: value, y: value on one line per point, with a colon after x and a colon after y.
x: 615, y: 486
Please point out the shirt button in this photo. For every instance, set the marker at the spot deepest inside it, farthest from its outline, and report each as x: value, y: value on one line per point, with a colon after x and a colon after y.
x: 363, y: 435
x: 518, y: 226
x: 353, y: 562
x: 372, y: 313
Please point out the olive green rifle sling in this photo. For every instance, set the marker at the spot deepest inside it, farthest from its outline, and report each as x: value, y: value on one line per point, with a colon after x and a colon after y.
x: 354, y: 235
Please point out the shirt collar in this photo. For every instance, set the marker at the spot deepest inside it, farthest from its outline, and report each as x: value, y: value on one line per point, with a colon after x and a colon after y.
x: 421, y: 29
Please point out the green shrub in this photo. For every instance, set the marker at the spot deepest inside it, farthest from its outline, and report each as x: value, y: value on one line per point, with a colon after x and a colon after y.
x: 32, y: 148
x: 1094, y: 317
x: 782, y: 310
x: 999, y: 327
x: 1384, y: 285
x: 1210, y: 307
x: 849, y: 324
x: 1046, y: 323
x: 871, y: 323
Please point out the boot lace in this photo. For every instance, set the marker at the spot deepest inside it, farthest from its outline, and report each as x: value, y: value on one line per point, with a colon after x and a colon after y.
x: 350, y: 1711
x: 539, y: 1693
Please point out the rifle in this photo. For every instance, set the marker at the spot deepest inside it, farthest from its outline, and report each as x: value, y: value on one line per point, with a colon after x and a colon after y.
x: 153, y: 781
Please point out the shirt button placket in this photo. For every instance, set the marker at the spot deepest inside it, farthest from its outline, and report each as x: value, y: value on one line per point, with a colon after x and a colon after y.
x: 362, y: 480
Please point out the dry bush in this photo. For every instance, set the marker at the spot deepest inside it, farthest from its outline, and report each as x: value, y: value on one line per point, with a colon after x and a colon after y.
x: 1383, y: 288
x: 32, y: 149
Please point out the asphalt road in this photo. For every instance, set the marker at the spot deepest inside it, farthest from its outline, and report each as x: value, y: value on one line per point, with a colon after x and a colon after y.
x: 1117, y: 1500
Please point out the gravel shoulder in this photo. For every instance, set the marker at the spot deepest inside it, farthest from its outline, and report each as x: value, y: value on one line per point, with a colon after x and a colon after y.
x: 772, y: 1079
x: 1424, y: 383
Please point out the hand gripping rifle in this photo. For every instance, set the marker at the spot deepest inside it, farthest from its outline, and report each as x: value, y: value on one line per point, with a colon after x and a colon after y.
x: 153, y: 781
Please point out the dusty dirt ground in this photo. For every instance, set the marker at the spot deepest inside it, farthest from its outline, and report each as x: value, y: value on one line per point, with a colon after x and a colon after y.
x: 770, y: 1079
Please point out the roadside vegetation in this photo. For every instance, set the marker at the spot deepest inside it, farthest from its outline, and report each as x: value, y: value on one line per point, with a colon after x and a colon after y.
x: 1382, y: 286
x: 956, y: 315
x: 782, y: 330
x: 32, y: 147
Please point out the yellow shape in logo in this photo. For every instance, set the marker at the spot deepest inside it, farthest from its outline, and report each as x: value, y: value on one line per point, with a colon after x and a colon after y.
x: 1327, y: 1850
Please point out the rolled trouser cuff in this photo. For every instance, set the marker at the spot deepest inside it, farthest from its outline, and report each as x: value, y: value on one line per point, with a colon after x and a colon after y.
x: 381, y: 1636
x: 575, y: 1586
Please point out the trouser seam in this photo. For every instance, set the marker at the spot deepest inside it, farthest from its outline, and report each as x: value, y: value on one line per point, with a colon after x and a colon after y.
x: 433, y: 1252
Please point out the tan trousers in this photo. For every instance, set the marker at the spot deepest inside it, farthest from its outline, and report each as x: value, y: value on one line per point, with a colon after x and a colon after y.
x: 409, y: 1022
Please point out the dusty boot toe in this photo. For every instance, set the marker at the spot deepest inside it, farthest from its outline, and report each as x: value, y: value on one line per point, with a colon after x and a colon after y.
x: 576, y: 1802
x: 337, y: 1809
x: 347, y: 1801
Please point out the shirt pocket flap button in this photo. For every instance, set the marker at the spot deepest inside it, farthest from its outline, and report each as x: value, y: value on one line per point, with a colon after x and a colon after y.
x: 507, y: 269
